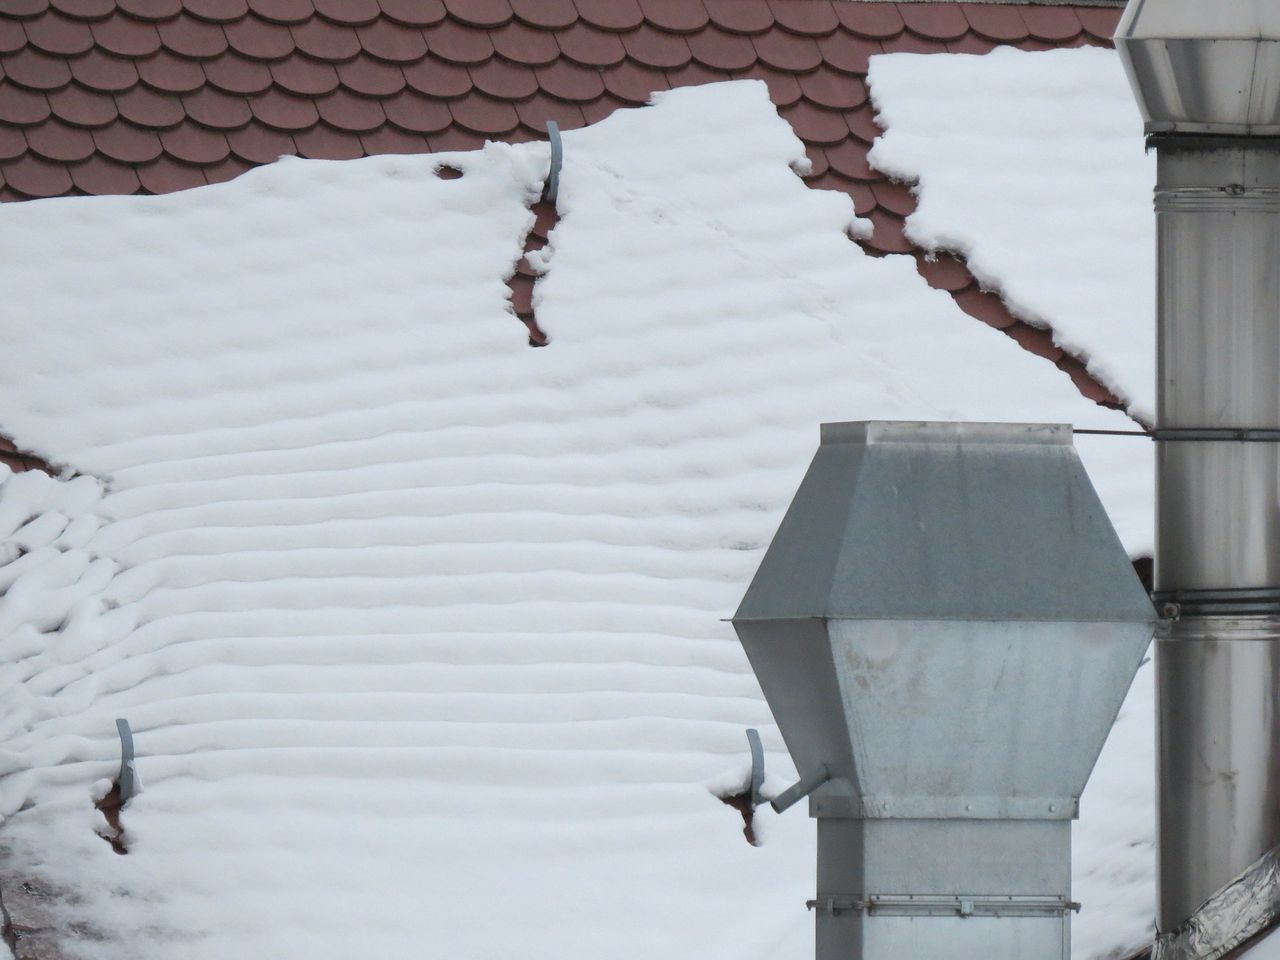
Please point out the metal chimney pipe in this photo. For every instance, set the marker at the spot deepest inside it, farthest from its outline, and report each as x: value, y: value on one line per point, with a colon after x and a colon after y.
x: 1205, y: 75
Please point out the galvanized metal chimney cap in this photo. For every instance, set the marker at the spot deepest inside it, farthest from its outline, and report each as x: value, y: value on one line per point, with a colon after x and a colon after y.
x: 1200, y: 67
x: 946, y: 521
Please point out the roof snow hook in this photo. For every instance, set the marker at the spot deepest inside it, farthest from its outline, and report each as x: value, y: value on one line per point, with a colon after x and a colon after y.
x: 757, y: 766
x: 557, y: 158
x: 127, y: 779
x: 800, y: 789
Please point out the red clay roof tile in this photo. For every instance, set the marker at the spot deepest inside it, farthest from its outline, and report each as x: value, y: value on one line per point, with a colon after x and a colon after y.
x: 193, y: 38
x: 21, y: 106
x: 1035, y: 340
x: 653, y: 48
x: 832, y: 89
x: 863, y: 124
x: 987, y: 307
x: 436, y: 78
x: 324, y: 143
x: 55, y: 140
x: 220, y: 111
x: 452, y: 41
x: 548, y: 14
x: 99, y: 176
x: 260, y: 144
x: 392, y: 41
x: 631, y: 83
x: 84, y: 9
x: 611, y: 14
x: 415, y: 13
x: 35, y: 70
x: 740, y: 16
x: 325, y: 41
x: 692, y: 74
x: 259, y: 40
x: 722, y: 51
x: 454, y: 138
x: 910, y: 43
x: 170, y: 73
x: 570, y: 82
x: 12, y: 143
x: 971, y: 43
x: 194, y: 144
x: 787, y: 52
x: 996, y: 21
x: 896, y: 198
x: 887, y: 234
x: 483, y: 115
x: 164, y: 175
x: 236, y: 74
x: 98, y: 70
x: 1085, y: 383
x: 23, y: 8
x: 934, y: 21
x: 944, y: 272
x: 388, y: 139
x: 784, y: 90
x: 849, y: 53
x: 850, y: 158
x: 284, y: 111
x: 818, y: 163
x: 864, y: 201
x: 58, y: 35
x: 675, y: 16
x: 601, y: 107
x: 485, y: 14
x: 217, y: 11
x: 304, y: 76
x: 147, y: 108
x: 283, y: 11
x: 523, y: 44
x: 12, y: 36
x: 84, y: 108
x: 521, y: 293
x: 589, y: 46
x: 36, y: 177
x: 1052, y: 23
x: 537, y: 110
x: 352, y: 12
x: 126, y: 37
x: 373, y: 78
x: 815, y: 124
x: 351, y: 112
x: 504, y: 80
x: 415, y: 113
x: 151, y: 9
x: 126, y: 143
x: 875, y: 21
x: 226, y: 169
x: 1100, y: 22
x: 809, y: 18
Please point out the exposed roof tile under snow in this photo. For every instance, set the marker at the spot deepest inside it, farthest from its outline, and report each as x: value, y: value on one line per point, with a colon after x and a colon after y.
x: 101, y: 97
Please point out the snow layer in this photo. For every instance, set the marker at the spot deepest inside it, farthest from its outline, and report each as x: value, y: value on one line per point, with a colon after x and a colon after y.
x: 419, y: 629
x: 1032, y: 165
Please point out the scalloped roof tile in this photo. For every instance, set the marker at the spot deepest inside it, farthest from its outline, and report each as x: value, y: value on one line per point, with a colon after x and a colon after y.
x: 125, y: 96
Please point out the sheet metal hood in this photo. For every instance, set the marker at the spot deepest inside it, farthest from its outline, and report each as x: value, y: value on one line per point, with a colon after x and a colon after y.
x: 1204, y: 67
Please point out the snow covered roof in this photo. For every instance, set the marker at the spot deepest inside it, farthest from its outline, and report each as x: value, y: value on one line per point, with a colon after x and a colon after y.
x: 414, y: 624
x: 151, y: 96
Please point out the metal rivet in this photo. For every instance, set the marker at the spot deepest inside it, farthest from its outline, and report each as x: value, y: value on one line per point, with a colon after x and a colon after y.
x: 1053, y: 808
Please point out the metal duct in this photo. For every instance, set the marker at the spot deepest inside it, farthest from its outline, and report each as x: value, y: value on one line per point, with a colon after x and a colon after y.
x: 1207, y: 77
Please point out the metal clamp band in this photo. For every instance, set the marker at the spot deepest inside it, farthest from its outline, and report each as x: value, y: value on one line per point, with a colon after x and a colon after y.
x: 959, y: 905
x: 1195, y: 434
x: 1225, y: 602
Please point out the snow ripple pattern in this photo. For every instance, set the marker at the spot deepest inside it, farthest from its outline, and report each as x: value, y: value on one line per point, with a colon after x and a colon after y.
x: 419, y: 629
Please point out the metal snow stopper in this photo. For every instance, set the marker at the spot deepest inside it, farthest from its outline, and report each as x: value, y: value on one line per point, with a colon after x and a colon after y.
x: 945, y: 626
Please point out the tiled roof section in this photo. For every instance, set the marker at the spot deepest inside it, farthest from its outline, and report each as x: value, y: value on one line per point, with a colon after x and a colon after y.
x: 19, y: 461
x: 151, y: 96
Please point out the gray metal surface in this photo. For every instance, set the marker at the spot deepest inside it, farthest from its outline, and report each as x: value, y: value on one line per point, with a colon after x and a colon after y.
x: 1200, y: 67
x: 954, y: 516
x: 1217, y: 206
x: 1243, y: 908
x: 126, y: 779
x: 946, y: 625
